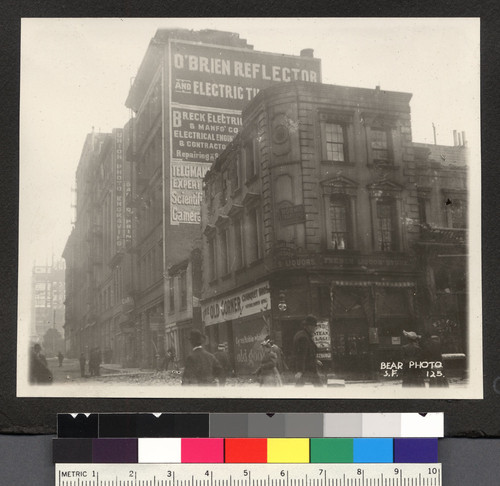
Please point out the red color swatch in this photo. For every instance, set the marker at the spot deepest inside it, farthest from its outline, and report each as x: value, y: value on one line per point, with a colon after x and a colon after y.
x: 246, y: 450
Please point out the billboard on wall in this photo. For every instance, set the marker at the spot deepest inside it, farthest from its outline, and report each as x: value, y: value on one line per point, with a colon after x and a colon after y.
x: 209, y: 86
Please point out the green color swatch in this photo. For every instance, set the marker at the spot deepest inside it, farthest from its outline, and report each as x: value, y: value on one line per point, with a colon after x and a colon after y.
x: 332, y: 450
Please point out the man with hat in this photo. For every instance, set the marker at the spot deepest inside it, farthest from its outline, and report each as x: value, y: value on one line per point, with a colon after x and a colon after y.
x: 412, y: 353
x: 306, y: 364
x: 202, y: 368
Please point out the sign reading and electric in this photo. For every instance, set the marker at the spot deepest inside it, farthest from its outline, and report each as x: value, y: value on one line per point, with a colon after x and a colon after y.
x: 209, y: 86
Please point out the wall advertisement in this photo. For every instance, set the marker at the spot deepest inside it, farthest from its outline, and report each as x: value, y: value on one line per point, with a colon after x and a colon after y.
x: 209, y: 86
x: 120, y: 194
x: 322, y: 339
x: 246, y: 302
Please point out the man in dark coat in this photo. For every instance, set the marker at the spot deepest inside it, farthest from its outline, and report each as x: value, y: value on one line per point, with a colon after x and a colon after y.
x: 306, y: 364
x: 202, y: 367
x: 39, y: 369
x: 82, y: 364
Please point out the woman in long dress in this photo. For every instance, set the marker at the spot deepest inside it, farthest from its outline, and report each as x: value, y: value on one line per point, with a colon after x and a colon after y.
x: 268, y: 373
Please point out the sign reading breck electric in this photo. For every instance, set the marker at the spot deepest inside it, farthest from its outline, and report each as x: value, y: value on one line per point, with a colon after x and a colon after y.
x: 246, y: 302
x: 209, y: 86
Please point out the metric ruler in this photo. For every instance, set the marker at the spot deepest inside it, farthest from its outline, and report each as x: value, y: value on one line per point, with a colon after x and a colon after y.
x: 225, y: 474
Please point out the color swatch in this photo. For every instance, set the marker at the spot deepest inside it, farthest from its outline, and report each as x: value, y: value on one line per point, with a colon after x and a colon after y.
x: 245, y: 450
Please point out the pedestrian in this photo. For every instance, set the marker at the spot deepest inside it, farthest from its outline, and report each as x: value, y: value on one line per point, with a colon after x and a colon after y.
x: 92, y: 359
x: 60, y: 358
x: 82, y: 364
x: 305, y: 349
x: 431, y: 350
x: 170, y: 357
x: 97, y: 361
x: 223, y: 359
x: 281, y: 365
x: 411, y: 356
x: 39, y: 369
x: 202, y: 368
x: 267, y: 373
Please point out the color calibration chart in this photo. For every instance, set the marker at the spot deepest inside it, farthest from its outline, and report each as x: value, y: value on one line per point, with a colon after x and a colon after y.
x: 194, y: 449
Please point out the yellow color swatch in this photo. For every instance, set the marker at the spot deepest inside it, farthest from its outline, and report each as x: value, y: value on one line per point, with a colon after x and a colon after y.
x: 288, y: 450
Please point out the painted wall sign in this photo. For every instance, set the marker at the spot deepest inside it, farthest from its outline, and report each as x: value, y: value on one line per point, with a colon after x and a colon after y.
x: 246, y: 302
x: 292, y: 214
x: 120, y: 193
x: 209, y: 86
x: 228, y: 78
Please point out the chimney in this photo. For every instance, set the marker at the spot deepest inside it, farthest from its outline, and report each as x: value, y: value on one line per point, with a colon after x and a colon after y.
x: 459, y: 136
x: 307, y: 52
x: 455, y: 138
x: 464, y: 141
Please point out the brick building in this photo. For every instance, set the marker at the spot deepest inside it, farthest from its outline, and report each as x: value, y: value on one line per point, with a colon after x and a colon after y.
x: 98, y: 263
x: 317, y: 207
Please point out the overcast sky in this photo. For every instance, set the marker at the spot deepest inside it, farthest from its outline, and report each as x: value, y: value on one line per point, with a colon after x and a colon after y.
x: 76, y: 73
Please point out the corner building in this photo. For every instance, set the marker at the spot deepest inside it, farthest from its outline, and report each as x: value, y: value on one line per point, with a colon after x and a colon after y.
x: 187, y: 99
x: 315, y: 208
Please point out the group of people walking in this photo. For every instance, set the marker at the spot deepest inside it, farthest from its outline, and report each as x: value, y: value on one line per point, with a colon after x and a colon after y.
x: 204, y: 368
x: 94, y: 362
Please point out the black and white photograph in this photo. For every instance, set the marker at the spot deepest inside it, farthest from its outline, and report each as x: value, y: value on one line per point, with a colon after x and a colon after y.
x: 250, y: 208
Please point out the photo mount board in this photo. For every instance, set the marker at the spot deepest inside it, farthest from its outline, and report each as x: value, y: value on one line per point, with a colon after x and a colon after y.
x: 464, y: 417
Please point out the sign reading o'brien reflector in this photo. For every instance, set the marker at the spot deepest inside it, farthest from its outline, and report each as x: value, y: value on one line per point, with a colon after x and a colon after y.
x: 228, y: 78
x: 209, y: 86
x: 246, y: 302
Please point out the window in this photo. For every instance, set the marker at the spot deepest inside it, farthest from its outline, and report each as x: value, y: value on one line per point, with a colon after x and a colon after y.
x: 183, y: 289
x: 235, y: 173
x: 422, y: 210
x: 458, y: 213
x: 339, y: 223
x: 212, y: 260
x: 253, y: 240
x: 334, y: 141
x: 224, y: 250
x: 171, y: 294
x: 380, y: 145
x: 238, y: 247
x: 387, y: 226
x: 251, y: 158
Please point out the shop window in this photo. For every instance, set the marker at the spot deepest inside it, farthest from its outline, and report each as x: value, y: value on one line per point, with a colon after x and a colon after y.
x: 171, y: 295
x: 387, y: 230
x: 380, y: 145
x: 183, y: 290
x: 339, y: 223
x: 334, y: 142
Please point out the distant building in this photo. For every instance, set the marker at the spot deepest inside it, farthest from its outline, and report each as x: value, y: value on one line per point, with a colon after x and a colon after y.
x: 47, y: 299
x: 98, y: 264
x: 318, y: 206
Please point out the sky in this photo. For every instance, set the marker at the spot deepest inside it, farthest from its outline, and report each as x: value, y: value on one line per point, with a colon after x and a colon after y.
x: 76, y: 74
